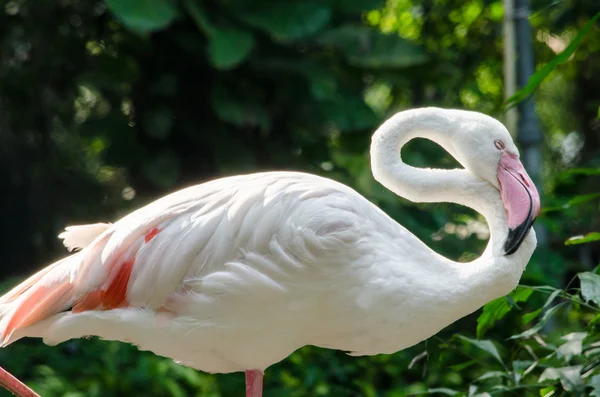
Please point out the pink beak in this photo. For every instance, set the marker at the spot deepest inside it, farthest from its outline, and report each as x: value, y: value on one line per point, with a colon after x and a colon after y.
x: 521, y: 200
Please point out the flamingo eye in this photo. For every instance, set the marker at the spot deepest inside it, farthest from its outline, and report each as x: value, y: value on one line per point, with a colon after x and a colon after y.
x: 499, y: 144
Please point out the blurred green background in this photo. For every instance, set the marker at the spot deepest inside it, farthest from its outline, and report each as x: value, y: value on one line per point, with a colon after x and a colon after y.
x: 107, y: 105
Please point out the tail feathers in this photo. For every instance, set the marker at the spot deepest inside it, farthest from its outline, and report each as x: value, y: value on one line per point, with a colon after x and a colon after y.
x: 48, y: 292
x: 61, y: 287
x: 81, y: 282
x: 25, y: 285
x: 43, y: 302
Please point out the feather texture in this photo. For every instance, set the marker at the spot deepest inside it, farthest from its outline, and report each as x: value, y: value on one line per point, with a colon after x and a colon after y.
x: 80, y: 236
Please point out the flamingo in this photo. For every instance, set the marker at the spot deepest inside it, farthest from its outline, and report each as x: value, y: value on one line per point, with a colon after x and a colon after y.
x: 235, y: 274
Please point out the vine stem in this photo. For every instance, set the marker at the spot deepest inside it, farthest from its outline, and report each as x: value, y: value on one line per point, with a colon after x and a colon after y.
x: 14, y: 385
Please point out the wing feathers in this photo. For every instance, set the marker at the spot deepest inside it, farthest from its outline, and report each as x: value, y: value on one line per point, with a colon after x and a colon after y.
x: 151, y: 256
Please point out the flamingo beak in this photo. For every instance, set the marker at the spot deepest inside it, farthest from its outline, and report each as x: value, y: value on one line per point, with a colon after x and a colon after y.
x: 521, y: 200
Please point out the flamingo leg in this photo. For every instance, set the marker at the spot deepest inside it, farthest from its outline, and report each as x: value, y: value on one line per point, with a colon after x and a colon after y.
x: 254, y: 383
x: 15, y: 386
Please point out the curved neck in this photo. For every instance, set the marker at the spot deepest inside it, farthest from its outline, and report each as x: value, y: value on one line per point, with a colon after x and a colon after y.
x: 492, y: 274
x: 418, y: 184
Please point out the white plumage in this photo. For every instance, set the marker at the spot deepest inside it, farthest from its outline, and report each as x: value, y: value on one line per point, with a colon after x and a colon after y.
x: 237, y: 273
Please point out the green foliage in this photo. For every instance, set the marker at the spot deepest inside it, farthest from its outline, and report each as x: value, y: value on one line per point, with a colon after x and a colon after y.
x: 536, y: 79
x: 498, y: 308
x: 364, y: 47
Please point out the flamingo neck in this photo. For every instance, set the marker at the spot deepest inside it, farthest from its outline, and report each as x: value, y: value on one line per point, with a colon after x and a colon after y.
x: 492, y: 274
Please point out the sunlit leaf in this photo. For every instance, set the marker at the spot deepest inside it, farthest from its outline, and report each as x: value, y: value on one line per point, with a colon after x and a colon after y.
x: 494, y: 374
x: 498, y: 308
x: 570, y: 377
x: 595, y: 384
x: 486, y: 345
x: 590, y: 287
x: 441, y: 390
x: 573, y: 345
x: 588, y: 238
x: 536, y: 79
x: 144, y: 15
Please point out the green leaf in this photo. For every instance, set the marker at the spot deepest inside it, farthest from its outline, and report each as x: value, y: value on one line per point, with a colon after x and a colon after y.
x: 590, y: 287
x: 228, y: 48
x: 486, y: 345
x: 551, y: 298
x: 498, y: 308
x: 570, y: 377
x: 535, y: 329
x: 526, y: 318
x: 368, y: 48
x: 536, y: 79
x: 286, y: 20
x: 143, y: 15
x: 173, y: 387
x: 588, y: 238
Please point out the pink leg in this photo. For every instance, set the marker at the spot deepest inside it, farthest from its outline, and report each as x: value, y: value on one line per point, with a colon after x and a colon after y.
x: 15, y: 386
x: 254, y: 383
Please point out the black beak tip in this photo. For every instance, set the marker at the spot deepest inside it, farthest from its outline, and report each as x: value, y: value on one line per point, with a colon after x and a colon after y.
x: 516, y: 236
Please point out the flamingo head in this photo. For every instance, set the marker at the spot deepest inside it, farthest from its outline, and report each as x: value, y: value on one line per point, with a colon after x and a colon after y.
x: 484, y: 146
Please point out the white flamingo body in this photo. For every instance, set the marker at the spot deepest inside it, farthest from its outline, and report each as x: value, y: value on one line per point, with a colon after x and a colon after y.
x: 237, y: 273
